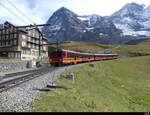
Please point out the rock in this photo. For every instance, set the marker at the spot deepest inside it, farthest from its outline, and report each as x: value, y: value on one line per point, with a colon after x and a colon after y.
x: 70, y: 76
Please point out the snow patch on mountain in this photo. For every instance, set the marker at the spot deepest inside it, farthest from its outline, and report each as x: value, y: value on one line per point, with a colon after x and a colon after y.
x: 128, y: 31
x: 133, y: 19
x: 83, y: 18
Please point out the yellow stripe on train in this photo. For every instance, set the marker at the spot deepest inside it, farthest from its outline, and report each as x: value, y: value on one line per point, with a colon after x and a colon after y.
x: 65, y: 61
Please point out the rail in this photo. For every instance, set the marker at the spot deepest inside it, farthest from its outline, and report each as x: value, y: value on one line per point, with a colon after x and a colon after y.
x: 17, y: 81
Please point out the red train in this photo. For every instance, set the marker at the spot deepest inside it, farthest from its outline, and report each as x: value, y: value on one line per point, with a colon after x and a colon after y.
x: 64, y: 57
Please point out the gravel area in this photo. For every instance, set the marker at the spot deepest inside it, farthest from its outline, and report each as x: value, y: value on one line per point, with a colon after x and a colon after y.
x: 18, y: 98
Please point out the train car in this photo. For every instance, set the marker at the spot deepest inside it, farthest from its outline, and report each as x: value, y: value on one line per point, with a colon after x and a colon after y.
x: 64, y: 57
x: 105, y: 56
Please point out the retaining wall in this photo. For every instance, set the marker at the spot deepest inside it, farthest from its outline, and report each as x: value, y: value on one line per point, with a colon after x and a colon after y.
x: 12, y: 66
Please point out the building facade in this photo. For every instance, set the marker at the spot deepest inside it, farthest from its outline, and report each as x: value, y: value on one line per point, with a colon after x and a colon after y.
x: 25, y: 44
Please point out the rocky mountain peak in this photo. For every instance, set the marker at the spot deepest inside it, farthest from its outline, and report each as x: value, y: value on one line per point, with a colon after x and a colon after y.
x: 64, y: 11
x: 133, y: 6
x: 129, y: 10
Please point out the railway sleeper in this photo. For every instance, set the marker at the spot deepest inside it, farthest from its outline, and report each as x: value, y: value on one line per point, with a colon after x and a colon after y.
x: 22, y: 79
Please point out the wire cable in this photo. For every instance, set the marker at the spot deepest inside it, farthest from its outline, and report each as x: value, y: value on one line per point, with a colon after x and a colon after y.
x: 20, y: 11
x: 12, y: 13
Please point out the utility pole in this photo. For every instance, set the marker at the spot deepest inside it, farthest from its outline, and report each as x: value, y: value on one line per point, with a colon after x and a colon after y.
x: 57, y: 44
x: 39, y: 56
x: 39, y: 47
x: 40, y: 36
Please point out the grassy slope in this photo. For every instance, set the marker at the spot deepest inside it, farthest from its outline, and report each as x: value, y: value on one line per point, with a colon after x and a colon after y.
x: 143, y: 47
x: 125, y: 50
x: 83, y: 46
x: 117, y: 85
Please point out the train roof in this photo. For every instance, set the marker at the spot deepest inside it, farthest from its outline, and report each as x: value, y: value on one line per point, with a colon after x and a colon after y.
x: 85, y: 53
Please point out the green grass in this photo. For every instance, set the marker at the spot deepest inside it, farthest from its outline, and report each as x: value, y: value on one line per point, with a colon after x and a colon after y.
x: 134, y: 50
x: 121, y: 85
x: 82, y: 46
x: 125, y: 50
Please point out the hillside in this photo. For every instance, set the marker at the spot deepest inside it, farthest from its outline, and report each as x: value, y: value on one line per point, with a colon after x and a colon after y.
x: 135, y: 41
x: 106, y: 86
x: 142, y: 48
x: 82, y: 46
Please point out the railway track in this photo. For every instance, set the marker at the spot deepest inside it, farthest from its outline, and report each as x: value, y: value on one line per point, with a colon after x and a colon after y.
x: 10, y: 75
x: 15, y: 79
x: 8, y: 84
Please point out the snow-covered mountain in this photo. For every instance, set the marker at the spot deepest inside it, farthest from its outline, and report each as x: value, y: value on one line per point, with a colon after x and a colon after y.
x: 130, y: 22
x: 64, y: 26
x: 133, y: 19
x: 68, y: 26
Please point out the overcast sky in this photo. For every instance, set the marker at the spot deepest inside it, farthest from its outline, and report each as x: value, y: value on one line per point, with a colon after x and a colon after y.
x: 40, y: 10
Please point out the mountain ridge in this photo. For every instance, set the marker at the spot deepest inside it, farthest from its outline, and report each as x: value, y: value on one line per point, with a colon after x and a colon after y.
x: 117, y: 28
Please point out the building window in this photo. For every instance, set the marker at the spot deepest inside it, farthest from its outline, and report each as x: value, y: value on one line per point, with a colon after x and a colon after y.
x: 33, y: 34
x: 29, y: 33
x: 14, y: 42
x: 11, y: 42
x: 7, y: 31
x: 9, y: 54
x: 33, y: 40
x: 23, y: 43
x: 44, y: 48
x: 7, y: 37
x: 11, y: 29
x: 29, y: 38
x: 3, y: 37
x: 18, y: 55
x: 29, y: 45
x: 11, y: 36
x: 23, y: 37
x: 3, y: 32
x: 37, y: 46
x: 3, y: 43
x: 15, y: 30
x: 15, y: 35
x: 6, y: 43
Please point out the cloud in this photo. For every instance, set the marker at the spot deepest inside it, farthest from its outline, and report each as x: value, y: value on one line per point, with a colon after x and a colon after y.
x: 40, y: 10
x: 28, y: 8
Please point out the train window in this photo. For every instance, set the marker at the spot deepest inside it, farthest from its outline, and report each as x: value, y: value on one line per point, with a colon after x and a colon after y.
x: 71, y: 55
x: 64, y: 54
x: 68, y: 54
x: 80, y: 56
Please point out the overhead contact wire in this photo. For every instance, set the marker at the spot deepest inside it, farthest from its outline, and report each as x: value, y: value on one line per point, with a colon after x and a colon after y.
x: 12, y: 13
x: 20, y: 11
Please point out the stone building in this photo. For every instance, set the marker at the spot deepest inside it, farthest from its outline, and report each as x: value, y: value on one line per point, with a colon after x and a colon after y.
x: 25, y: 44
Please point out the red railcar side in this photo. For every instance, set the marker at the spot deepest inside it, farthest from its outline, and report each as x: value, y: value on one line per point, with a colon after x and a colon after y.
x: 63, y: 57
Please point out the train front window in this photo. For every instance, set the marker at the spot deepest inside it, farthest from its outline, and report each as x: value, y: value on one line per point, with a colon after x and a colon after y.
x: 56, y: 54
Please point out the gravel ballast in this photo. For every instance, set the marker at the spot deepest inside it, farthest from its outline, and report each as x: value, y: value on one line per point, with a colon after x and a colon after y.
x: 17, y: 99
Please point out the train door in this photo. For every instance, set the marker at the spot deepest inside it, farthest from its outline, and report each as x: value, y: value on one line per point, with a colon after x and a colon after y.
x: 64, y: 54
